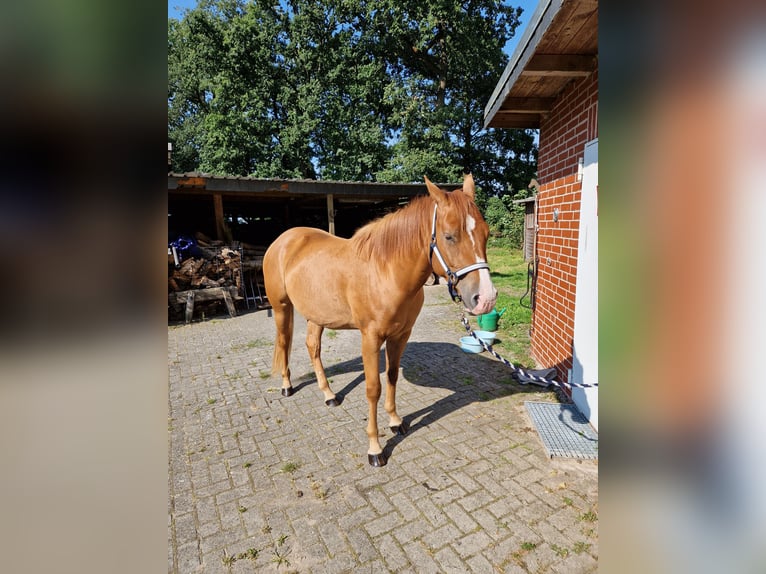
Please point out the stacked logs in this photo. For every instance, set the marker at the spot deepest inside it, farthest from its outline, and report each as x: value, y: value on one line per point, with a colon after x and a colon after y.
x: 218, y: 267
x: 215, y: 266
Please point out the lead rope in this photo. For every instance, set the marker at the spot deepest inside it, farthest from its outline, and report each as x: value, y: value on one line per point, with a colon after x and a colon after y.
x: 522, y: 373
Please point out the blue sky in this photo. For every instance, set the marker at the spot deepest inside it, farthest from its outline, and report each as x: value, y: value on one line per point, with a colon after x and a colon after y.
x: 176, y: 9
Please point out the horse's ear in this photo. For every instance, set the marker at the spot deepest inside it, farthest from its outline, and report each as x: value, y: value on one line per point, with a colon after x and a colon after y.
x: 468, y: 186
x: 438, y: 194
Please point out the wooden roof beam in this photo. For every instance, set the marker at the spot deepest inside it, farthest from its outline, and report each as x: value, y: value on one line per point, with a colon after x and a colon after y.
x: 505, y: 119
x: 527, y: 105
x: 573, y: 65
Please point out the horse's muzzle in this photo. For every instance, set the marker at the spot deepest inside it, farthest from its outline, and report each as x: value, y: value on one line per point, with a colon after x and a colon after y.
x: 480, y: 301
x: 482, y: 306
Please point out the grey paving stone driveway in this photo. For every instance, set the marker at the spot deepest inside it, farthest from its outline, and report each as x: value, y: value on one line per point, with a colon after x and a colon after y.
x: 262, y: 483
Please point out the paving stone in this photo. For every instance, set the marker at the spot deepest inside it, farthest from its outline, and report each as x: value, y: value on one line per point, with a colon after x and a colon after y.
x: 392, y: 553
x: 472, y: 544
x: 362, y: 546
x: 383, y: 524
x: 463, y: 490
x: 431, y: 512
x: 480, y: 565
x: 460, y: 517
x: 476, y: 500
x: 440, y: 537
x: 449, y: 561
x: 420, y: 558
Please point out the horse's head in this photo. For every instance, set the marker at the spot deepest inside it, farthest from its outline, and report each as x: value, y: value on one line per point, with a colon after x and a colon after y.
x: 459, y: 246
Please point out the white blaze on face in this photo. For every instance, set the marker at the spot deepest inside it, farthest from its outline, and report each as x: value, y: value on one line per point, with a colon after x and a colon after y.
x: 487, y: 291
x: 470, y: 225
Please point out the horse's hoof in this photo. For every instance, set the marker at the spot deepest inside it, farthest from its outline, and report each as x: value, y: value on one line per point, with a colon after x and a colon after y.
x: 401, y: 429
x: 287, y: 391
x: 334, y: 402
x: 377, y: 460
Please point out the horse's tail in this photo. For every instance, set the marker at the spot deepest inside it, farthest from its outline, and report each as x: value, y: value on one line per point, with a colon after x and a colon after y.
x: 282, y: 307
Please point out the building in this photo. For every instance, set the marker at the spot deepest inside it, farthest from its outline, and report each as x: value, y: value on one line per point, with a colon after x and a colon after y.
x: 551, y: 83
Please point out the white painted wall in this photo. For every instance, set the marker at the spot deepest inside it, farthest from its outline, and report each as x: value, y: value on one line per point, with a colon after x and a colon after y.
x: 585, y: 347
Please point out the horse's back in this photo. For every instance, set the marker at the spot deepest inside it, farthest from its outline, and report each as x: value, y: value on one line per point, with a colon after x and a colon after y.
x: 294, y: 245
x: 310, y: 268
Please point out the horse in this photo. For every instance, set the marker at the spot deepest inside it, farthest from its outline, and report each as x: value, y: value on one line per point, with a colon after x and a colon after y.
x: 374, y: 282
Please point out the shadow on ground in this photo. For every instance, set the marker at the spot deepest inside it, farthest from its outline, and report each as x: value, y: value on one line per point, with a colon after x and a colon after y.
x: 471, y: 378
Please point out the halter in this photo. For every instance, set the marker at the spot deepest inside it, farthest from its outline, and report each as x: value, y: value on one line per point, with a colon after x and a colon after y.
x: 452, y: 276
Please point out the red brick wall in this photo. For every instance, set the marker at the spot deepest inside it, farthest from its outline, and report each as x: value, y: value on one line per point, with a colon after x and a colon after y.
x: 563, y: 134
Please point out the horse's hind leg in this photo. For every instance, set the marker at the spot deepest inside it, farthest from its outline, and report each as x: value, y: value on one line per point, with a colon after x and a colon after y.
x: 283, y: 319
x: 314, y: 345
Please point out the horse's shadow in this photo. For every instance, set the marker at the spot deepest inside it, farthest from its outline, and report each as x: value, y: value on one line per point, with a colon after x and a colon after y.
x: 471, y: 378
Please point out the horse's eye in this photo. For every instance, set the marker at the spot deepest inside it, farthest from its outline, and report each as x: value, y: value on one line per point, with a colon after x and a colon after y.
x: 449, y: 237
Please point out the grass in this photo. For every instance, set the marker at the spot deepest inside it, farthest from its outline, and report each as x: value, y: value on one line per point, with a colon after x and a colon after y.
x: 290, y: 467
x: 255, y: 343
x: 509, y: 275
x: 560, y: 550
x: 280, y: 557
x: 589, y: 516
x: 229, y: 560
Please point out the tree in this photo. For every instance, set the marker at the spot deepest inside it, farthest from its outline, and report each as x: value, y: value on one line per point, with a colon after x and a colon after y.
x: 344, y: 89
x: 445, y: 59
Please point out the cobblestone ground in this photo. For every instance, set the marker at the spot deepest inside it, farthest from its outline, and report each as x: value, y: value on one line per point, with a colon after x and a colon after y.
x: 258, y: 482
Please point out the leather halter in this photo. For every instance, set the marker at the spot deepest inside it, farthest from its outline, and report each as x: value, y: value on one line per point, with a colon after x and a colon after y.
x: 452, y: 276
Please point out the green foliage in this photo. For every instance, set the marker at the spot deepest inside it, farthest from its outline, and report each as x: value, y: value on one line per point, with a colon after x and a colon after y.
x: 498, y: 216
x: 506, y: 218
x: 344, y: 89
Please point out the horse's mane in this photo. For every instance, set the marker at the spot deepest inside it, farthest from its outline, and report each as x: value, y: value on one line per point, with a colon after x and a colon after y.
x: 395, y: 234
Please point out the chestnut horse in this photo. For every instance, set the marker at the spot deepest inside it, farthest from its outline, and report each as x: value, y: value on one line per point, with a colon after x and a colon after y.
x: 373, y: 282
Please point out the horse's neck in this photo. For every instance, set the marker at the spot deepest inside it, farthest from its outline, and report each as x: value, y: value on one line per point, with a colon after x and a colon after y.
x: 414, y: 267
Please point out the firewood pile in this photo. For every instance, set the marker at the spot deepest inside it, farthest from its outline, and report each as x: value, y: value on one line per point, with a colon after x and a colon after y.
x: 205, y: 264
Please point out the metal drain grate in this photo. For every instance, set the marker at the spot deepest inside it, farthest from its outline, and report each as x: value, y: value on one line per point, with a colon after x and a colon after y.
x: 564, y: 430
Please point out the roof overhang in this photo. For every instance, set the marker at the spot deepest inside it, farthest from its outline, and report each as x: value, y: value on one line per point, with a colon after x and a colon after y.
x: 202, y: 183
x: 559, y: 43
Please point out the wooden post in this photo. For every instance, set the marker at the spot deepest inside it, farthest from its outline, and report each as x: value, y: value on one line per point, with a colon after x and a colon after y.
x: 221, y: 229
x: 189, y: 306
x: 229, y: 303
x: 330, y: 215
x: 219, y: 222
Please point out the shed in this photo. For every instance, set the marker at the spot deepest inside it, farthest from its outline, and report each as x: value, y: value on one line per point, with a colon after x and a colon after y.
x: 247, y: 214
x: 528, y: 239
x: 257, y: 210
x: 551, y: 83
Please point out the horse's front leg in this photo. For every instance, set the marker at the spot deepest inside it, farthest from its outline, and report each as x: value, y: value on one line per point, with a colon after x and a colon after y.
x: 371, y: 343
x: 394, y: 350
